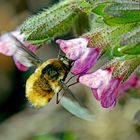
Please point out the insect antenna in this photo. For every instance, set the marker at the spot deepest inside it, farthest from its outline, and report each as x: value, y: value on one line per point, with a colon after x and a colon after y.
x: 34, y: 58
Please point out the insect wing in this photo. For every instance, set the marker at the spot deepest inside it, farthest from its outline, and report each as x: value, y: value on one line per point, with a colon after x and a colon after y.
x: 25, y: 53
x: 68, y: 93
x: 74, y: 106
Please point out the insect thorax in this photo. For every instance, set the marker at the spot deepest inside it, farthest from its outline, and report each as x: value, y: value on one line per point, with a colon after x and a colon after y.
x: 55, y: 70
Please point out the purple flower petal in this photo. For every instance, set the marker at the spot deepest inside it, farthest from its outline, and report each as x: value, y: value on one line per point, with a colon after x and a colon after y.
x: 86, y: 61
x: 97, y: 79
x: 73, y: 48
x: 20, y: 66
x: 98, y: 92
x: 110, y: 93
x: 104, y: 88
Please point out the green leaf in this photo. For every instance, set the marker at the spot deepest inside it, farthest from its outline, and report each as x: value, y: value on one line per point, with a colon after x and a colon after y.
x: 85, y: 6
x: 50, y: 22
x: 119, y: 13
x: 131, y: 49
x: 43, y: 33
x: 116, y: 52
x: 122, y: 20
x: 127, y: 57
x: 132, y: 37
x: 100, y: 9
x: 117, y: 8
x: 113, y: 1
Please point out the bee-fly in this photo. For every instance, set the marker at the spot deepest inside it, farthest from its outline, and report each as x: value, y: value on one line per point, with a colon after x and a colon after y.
x: 48, y: 78
x: 45, y: 81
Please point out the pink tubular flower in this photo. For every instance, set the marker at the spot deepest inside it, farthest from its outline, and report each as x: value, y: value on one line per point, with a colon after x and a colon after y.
x: 107, y: 83
x: 73, y: 48
x: 104, y: 87
x: 9, y: 47
x: 86, y: 61
x: 77, y: 50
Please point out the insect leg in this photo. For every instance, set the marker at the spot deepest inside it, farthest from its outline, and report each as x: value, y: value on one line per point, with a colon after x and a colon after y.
x: 73, y: 84
x: 68, y: 92
x: 57, y: 97
x: 70, y: 78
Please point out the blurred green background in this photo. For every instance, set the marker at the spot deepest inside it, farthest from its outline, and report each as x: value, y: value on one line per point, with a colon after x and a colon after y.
x: 20, y: 121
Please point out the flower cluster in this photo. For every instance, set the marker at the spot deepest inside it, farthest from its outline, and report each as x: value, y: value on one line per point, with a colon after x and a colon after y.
x: 106, y: 83
x: 9, y: 47
x: 114, y: 30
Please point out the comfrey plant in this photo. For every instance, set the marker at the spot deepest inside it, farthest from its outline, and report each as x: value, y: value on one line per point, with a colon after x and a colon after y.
x: 100, y: 28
